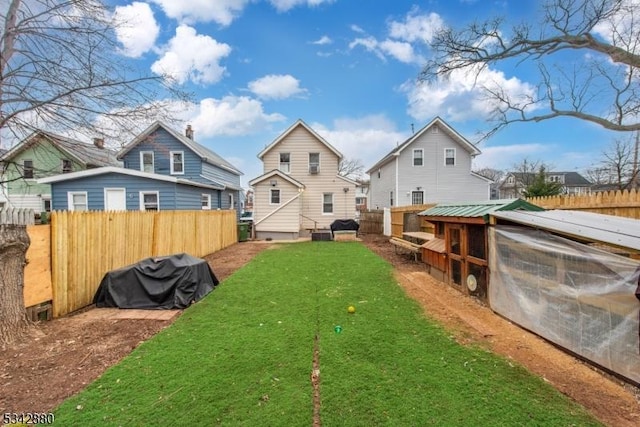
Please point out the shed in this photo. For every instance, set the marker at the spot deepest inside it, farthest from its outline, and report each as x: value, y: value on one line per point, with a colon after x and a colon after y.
x: 458, y: 255
x: 574, y: 279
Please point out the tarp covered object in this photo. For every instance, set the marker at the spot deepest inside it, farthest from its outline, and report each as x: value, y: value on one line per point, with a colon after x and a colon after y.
x: 344, y: 224
x: 580, y: 297
x: 157, y: 283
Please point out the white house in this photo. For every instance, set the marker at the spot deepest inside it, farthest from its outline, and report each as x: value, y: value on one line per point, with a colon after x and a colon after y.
x: 300, y: 189
x: 432, y: 166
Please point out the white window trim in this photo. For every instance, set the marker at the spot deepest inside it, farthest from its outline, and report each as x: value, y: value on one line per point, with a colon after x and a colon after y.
x: 142, y: 193
x: 231, y: 200
x: 208, y: 197
x: 417, y: 191
x: 271, y: 190
x: 309, y: 161
x: 70, y: 195
x: 171, y: 153
x: 413, y: 161
x: 153, y: 161
x: 33, y: 170
x: 280, y: 163
x: 454, y: 156
x: 333, y: 205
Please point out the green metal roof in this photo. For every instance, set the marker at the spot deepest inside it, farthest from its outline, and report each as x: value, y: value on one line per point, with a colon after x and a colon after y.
x: 479, y: 209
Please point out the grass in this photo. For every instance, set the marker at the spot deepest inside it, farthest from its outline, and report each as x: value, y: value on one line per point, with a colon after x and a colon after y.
x: 243, y: 356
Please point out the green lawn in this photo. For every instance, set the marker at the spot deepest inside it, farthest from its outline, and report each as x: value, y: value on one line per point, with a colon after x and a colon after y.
x: 243, y: 356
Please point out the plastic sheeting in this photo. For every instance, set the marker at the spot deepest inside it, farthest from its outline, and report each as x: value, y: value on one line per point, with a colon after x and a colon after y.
x: 577, y: 296
x: 167, y: 282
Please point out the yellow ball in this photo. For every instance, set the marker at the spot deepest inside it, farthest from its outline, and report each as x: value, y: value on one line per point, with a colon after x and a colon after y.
x: 351, y: 309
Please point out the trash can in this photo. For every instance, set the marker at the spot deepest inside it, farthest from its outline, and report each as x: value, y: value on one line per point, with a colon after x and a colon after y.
x: 243, y: 231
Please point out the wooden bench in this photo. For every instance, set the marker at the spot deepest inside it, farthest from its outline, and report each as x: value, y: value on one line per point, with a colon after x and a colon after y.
x: 412, y: 248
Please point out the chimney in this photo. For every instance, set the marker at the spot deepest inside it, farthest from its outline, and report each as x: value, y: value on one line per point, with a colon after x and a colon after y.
x: 98, y: 142
x: 189, y: 132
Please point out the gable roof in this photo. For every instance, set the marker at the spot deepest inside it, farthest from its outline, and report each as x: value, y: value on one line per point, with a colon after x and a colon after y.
x: 207, y: 155
x: 298, y: 123
x: 124, y: 171
x: 81, y: 152
x: 278, y: 173
x: 472, y: 149
x: 570, y: 178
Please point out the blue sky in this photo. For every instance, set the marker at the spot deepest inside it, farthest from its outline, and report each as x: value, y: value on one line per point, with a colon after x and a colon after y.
x: 348, y: 68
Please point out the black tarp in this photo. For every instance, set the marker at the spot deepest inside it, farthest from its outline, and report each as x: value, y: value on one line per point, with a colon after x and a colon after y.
x: 344, y: 224
x: 157, y: 283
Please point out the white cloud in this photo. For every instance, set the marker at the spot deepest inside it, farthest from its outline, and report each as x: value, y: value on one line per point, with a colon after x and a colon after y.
x: 190, y: 56
x: 285, y: 5
x: 357, y: 29
x: 401, y: 51
x: 276, y: 86
x: 621, y: 28
x: 460, y: 97
x: 416, y: 27
x: 230, y: 116
x: 367, y: 138
x: 322, y: 41
x: 136, y: 28
x: 370, y: 44
x: 505, y: 157
x: 221, y: 11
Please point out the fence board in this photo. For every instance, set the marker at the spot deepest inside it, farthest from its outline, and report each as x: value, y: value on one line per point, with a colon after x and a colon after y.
x: 397, y: 217
x: 86, y: 245
x: 17, y: 216
x: 618, y: 203
x: 371, y: 222
x: 37, y: 273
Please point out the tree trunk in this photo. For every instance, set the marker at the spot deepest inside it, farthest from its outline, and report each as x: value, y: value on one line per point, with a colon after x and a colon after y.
x: 14, y: 242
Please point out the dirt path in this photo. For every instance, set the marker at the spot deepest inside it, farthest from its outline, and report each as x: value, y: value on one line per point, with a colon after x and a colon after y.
x: 59, y: 358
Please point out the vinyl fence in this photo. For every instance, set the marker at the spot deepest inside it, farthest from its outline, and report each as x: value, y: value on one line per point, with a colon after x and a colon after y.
x: 86, y: 245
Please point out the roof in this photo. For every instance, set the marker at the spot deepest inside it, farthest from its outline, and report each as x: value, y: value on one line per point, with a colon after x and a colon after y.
x: 612, y: 230
x: 298, y: 123
x: 203, y: 152
x: 435, y: 245
x: 478, y: 209
x: 279, y: 174
x: 573, y: 179
x: 86, y: 154
x: 124, y: 171
x: 472, y: 149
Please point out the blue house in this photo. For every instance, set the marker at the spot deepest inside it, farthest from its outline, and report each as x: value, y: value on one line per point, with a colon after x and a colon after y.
x: 163, y: 170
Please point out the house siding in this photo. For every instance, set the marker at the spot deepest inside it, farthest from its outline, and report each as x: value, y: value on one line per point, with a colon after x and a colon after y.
x: 440, y: 183
x: 172, y: 195
x: 299, y: 143
x: 287, y: 219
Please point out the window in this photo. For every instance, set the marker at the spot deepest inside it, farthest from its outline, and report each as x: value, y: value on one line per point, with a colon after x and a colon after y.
x: 511, y: 180
x: 206, y: 202
x: 146, y: 161
x: 274, y: 198
x: 418, y: 155
x: 77, y: 200
x: 314, y: 163
x: 285, y: 162
x: 231, y: 201
x: 417, y: 197
x: 27, y: 169
x: 379, y: 173
x: 149, y: 201
x: 360, y: 201
x: 450, y: 156
x: 66, y: 166
x: 390, y: 198
x: 434, y: 129
x: 177, y: 162
x: 327, y: 203
x: 46, y: 205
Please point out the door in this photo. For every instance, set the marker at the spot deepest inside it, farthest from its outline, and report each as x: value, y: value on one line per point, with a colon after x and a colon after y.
x: 456, y: 249
x: 115, y: 199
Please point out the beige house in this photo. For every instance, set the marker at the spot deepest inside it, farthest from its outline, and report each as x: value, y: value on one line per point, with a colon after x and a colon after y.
x: 300, y: 190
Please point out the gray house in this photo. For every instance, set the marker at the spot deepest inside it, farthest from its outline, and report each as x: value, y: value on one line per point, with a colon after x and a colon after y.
x: 432, y: 166
x: 163, y: 170
x: 514, y: 183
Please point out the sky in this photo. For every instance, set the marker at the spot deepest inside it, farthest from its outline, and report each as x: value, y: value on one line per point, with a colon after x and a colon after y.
x: 348, y: 68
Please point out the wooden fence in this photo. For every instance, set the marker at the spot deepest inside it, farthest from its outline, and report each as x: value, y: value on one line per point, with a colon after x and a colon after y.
x: 17, y: 216
x: 371, y: 222
x: 86, y: 245
x: 618, y: 203
x: 404, y: 218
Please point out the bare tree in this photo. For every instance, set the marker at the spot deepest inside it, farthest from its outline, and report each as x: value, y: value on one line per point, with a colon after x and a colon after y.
x: 60, y: 71
x: 609, y: 74
x: 494, y: 175
x: 618, y: 166
x: 351, y: 168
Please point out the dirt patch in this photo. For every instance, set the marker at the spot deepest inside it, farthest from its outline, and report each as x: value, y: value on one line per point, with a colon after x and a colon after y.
x: 59, y: 358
